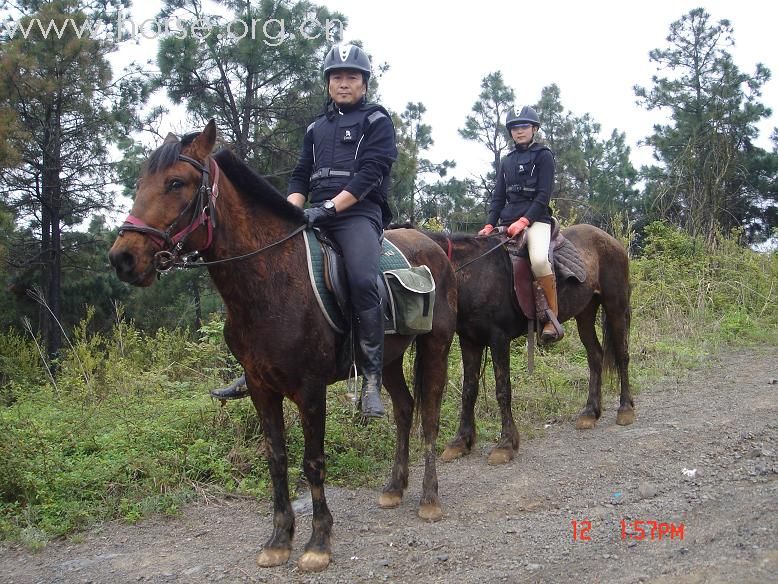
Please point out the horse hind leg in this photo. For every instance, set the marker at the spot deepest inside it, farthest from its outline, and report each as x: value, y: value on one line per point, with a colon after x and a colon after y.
x: 506, y: 448
x: 616, y: 333
x: 586, y: 331
x: 464, y: 440
x: 402, y: 402
x: 318, y: 550
x: 429, y: 382
x: 278, y: 547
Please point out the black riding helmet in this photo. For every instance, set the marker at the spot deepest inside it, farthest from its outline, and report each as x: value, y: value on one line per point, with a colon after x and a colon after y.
x: 347, y: 57
x: 527, y: 115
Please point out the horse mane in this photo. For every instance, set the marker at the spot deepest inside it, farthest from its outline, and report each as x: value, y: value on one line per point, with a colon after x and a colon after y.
x: 255, y: 187
x: 454, y: 237
x: 467, y: 238
x: 245, y: 179
x: 167, y: 155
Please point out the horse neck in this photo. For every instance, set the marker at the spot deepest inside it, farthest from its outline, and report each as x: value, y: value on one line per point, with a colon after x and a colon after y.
x: 459, y: 250
x: 243, y: 227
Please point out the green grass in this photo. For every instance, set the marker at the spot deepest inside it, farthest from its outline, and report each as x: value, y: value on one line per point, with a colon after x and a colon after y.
x: 128, y: 429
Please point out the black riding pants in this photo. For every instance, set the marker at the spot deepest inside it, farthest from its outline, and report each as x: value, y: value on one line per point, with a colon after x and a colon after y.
x: 359, y: 240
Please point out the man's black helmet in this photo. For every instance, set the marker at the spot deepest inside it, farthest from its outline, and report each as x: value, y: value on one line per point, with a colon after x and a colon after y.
x: 527, y: 115
x: 347, y: 57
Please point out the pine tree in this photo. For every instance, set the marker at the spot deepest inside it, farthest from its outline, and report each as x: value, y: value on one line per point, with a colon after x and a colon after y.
x: 57, y: 86
x: 712, y: 176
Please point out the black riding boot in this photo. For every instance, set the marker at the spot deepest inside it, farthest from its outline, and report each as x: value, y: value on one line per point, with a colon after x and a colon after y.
x: 370, y: 335
x: 236, y: 390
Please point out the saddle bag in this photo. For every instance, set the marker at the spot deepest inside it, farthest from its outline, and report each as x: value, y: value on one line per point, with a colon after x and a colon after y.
x: 412, y: 292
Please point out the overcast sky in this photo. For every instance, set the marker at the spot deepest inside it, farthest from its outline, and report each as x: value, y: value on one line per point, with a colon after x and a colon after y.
x: 594, y: 51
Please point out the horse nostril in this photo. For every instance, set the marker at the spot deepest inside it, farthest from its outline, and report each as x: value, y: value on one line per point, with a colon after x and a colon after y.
x: 122, y: 261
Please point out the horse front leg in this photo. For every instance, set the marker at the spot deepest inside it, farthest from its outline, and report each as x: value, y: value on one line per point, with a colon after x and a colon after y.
x: 588, y: 335
x: 464, y: 440
x: 402, y: 403
x: 318, y: 550
x: 277, y: 549
x: 505, y: 449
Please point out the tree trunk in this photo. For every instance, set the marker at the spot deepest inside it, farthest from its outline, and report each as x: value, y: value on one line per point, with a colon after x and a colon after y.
x: 52, y: 196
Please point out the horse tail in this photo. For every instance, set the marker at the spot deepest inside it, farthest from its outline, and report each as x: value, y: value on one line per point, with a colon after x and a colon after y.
x: 609, y: 340
x: 418, y: 379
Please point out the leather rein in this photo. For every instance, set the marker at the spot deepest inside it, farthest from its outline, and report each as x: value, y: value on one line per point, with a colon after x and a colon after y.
x: 503, y: 240
x: 203, y: 212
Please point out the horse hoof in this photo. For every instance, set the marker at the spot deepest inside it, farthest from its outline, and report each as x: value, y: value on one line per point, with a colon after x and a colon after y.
x: 389, y: 500
x: 625, y: 417
x: 430, y: 512
x: 313, y: 561
x: 453, y: 452
x: 273, y: 557
x: 500, y: 456
x: 585, y: 422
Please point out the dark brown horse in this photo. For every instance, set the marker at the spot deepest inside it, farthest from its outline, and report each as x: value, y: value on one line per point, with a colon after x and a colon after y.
x: 274, y: 325
x: 488, y: 316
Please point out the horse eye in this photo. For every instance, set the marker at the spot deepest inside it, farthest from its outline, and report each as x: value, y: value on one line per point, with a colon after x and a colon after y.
x: 174, y: 184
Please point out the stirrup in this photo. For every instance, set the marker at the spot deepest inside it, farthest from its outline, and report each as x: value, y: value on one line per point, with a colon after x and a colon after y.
x: 236, y: 390
x: 554, y: 335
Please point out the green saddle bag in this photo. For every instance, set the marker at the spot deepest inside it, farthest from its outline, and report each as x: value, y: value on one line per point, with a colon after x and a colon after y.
x: 412, y: 292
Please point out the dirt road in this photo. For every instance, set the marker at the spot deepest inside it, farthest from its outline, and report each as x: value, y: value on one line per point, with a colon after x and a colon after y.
x: 512, y: 523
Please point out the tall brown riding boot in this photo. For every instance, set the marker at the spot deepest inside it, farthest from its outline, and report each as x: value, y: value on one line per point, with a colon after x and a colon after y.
x: 552, y: 330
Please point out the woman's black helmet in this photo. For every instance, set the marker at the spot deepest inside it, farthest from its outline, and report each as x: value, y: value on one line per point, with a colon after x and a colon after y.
x: 527, y: 115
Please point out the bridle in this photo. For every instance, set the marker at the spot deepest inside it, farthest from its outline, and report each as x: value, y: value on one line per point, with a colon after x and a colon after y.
x: 202, y: 208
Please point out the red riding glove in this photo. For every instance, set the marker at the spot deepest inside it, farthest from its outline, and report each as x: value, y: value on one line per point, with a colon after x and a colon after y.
x: 488, y: 228
x: 518, y: 226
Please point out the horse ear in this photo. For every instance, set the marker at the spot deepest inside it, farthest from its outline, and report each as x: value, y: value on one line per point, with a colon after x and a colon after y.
x: 171, y: 138
x: 203, y: 144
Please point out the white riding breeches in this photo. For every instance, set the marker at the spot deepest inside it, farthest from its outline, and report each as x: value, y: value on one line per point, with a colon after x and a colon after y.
x: 538, y: 241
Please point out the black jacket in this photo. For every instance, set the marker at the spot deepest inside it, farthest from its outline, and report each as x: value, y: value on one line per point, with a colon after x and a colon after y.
x: 523, y: 186
x: 352, y: 149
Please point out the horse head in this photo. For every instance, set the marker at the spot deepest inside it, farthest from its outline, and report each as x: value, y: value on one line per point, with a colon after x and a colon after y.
x: 173, y: 211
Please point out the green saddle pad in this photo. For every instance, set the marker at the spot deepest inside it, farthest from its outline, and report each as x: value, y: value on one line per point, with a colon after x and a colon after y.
x: 393, y: 264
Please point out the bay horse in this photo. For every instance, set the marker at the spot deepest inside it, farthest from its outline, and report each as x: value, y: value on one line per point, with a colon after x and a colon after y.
x: 488, y: 316
x: 274, y: 325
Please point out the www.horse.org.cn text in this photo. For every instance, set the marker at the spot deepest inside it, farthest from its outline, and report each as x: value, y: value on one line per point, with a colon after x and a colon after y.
x: 272, y: 31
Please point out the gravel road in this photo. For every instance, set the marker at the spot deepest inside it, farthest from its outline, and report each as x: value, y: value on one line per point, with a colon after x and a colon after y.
x: 702, y: 456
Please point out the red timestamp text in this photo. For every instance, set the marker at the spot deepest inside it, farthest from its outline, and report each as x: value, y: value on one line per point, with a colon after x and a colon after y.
x: 640, y: 529
x: 633, y: 529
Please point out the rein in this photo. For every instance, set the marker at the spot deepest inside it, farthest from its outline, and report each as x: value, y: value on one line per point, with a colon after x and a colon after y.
x: 190, y: 260
x: 486, y: 253
x: 172, y: 244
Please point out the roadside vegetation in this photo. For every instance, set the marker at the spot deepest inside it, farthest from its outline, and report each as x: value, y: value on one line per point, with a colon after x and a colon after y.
x: 121, y: 425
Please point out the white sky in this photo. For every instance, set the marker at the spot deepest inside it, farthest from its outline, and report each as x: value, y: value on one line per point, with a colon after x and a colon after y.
x: 594, y: 51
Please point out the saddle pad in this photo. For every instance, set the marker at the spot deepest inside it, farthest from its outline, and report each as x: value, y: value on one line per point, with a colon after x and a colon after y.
x: 391, y: 259
x: 568, y: 262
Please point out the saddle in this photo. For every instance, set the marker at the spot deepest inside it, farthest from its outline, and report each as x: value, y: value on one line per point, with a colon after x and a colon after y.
x: 566, y: 263
x: 407, y: 292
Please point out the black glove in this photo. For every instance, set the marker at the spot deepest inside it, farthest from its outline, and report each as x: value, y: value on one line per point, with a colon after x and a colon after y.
x: 315, y: 215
